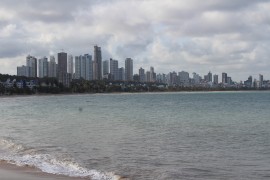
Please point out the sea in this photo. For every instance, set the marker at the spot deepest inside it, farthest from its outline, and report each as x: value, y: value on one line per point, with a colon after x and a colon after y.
x: 140, y: 136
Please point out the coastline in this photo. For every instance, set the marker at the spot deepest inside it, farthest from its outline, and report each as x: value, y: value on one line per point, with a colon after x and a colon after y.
x: 143, y: 92
x: 12, y: 172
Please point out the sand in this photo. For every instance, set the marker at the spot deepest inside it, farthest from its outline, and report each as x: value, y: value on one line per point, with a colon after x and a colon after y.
x: 12, y: 172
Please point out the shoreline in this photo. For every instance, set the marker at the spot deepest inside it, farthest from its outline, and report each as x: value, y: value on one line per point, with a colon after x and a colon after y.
x: 14, y: 172
x: 144, y: 92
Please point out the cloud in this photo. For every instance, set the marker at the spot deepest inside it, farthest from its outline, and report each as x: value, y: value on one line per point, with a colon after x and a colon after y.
x: 196, y: 36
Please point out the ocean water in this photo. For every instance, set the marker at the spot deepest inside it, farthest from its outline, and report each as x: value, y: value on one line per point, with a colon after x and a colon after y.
x: 148, y: 136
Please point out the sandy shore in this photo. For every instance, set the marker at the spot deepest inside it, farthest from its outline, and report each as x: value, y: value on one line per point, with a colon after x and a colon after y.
x: 12, y: 172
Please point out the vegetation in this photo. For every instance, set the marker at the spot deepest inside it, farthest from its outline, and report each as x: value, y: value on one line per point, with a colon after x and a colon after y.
x: 48, y: 85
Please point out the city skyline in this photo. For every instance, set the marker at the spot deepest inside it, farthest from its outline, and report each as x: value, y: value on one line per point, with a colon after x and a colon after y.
x: 169, y: 35
x: 85, y: 68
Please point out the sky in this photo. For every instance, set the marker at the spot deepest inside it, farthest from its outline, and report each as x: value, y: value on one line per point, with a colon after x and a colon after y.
x: 174, y: 35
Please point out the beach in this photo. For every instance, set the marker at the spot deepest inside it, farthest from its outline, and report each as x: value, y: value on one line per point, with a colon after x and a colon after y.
x: 13, y: 172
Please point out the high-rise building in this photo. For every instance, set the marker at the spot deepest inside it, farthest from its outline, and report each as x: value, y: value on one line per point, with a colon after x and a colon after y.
x: 215, y: 79
x: 114, y: 69
x: 43, y: 67
x: 171, y: 78
x: 260, y: 81
x: 152, y: 75
x: 88, y: 67
x: 129, y: 69
x: 31, y: 62
x: 196, y: 78
x: 84, y: 67
x: 148, y: 76
x: 70, y: 64
x: 121, y: 75
x: 97, y: 64
x: 23, y: 71
x: 209, y: 77
x: 229, y: 80
x: 106, y: 70
x: 161, y: 78
x: 52, y: 67
x: 77, y: 67
x: 141, y: 75
x: 62, y: 62
x: 62, y: 75
x: 248, y: 83
x: 224, y: 78
x: 183, y: 78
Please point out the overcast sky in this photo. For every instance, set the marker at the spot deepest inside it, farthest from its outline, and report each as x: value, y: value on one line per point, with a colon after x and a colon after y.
x: 172, y: 35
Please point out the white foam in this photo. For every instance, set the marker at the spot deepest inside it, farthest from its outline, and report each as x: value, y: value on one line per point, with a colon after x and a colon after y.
x: 17, y: 154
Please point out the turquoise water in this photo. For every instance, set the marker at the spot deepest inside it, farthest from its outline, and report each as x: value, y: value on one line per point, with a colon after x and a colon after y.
x: 201, y: 135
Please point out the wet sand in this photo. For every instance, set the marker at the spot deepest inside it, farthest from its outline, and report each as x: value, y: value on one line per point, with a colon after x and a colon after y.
x: 13, y: 172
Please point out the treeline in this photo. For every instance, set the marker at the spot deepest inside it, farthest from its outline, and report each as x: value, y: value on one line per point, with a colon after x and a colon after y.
x: 48, y: 85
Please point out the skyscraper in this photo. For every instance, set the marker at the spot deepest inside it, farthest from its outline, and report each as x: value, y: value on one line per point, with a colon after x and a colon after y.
x: 121, y: 74
x: 97, y: 64
x: 77, y: 67
x: 209, y: 77
x: 148, y: 76
x: 84, y: 67
x: 52, y: 67
x: 62, y: 74
x: 106, y: 70
x: 43, y: 67
x: 88, y: 67
x: 183, y: 78
x: 224, y: 78
x: 114, y: 69
x: 141, y: 75
x: 129, y: 69
x: 196, y: 78
x: 152, y: 75
x: 260, y: 81
x: 229, y: 80
x: 62, y: 62
x: 70, y: 64
x: 215, y: 79
x: 248, y: 83
x: 31, y: 62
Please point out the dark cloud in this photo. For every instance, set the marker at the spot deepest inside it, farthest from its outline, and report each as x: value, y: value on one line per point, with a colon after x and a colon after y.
x: 11, y: 48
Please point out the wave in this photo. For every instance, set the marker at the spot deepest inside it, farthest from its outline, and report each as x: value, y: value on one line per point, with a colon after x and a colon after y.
x: 22, y: 156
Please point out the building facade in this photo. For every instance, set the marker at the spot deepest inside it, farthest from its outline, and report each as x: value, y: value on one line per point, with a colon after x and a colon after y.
x: 224, y: 78
x: 70, y: 64
x: 114, y: 69
x: 106, y: 67
x: 43, y: 67
x: 31, y: 62
x: 141, y: 75
x: 62, y: 62
x: 97, y: 65
x: 52, y: 67
x: 88, y: 67
x: 215, y: 79
x: 183, y: 78
x: 23, y: 71
x: 129, y: 69
x: 121, y: 75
